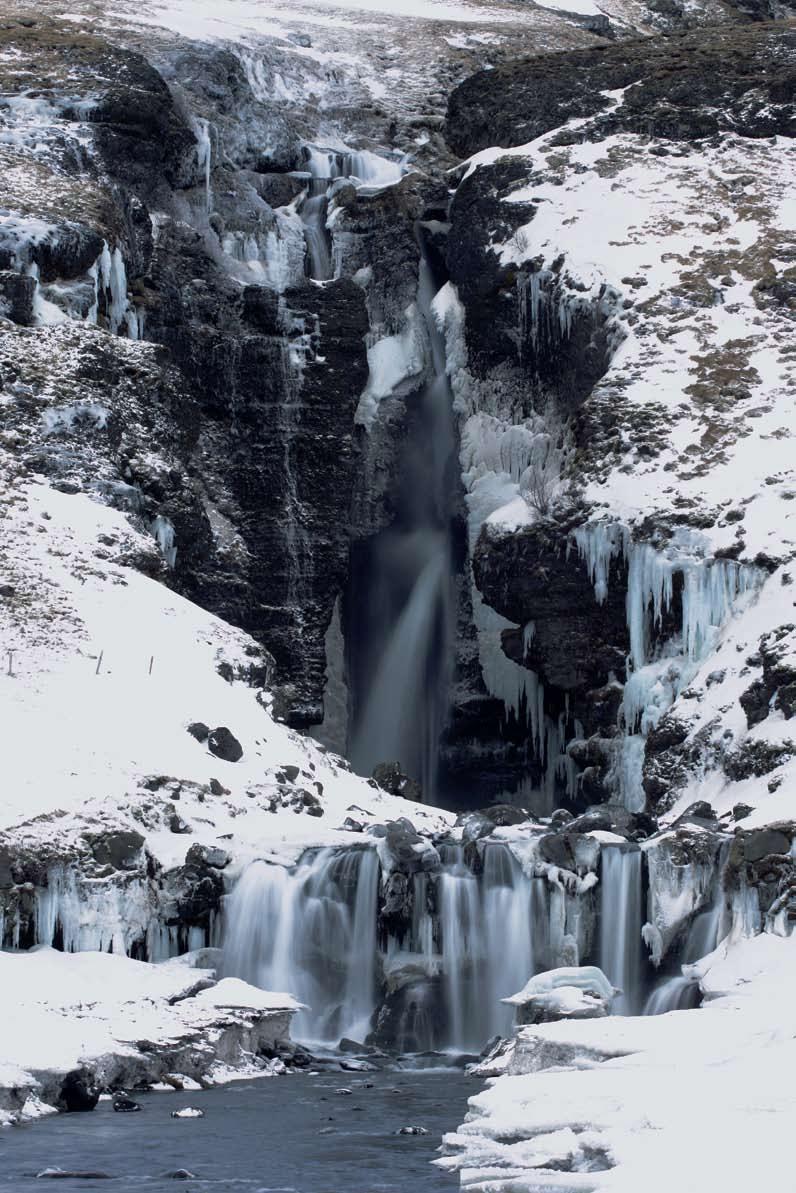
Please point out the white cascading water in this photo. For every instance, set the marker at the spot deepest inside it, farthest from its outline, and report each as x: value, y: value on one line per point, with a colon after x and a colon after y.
x: 310, y: 932
x: 681, y: 990
x: 621, y: 956
x: 313, y: 931
x: 402, y: 699
x: 365, y: 170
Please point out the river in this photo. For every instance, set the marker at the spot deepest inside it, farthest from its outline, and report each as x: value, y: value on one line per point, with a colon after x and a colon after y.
x: 293, y: 1134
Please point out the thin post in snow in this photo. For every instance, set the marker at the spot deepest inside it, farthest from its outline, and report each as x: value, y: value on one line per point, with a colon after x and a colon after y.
x: 99, y: 662
x: 11, y: 662
x: 151, y: 663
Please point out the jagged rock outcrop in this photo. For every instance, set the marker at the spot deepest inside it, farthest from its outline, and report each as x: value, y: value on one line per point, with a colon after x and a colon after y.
x: 676, y: 90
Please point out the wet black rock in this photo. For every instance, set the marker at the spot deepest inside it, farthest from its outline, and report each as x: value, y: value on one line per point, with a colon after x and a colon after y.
x: 207, y: 855
x: 700, y: 812
x: 121, y: 850
x: 16, y: 297
x: 391, y: 778
x: 776, y: 688
x: 123, y: 1104
x: 755, y: 758
x: 760, y: 843
x: 406, y: 851
x: 411, y: 1018
x: 79, y: 1091
x: 223, y: 744
x: 178, y: 825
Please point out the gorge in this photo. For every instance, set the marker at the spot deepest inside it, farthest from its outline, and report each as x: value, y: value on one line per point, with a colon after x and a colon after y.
x: 396, y: 584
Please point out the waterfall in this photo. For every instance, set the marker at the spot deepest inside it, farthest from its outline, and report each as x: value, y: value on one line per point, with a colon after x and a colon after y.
x: 621, y: 956
x: 509, y: 930
x: 367, y: 171
x: 402, y: 639
x: 672, y: 994
x: 310, y: 932
x: 681, y: 991
x: 462, y: 948
x: 313, y: 931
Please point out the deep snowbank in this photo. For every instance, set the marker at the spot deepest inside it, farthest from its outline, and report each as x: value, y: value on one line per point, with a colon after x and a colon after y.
x: 691, y: 1100
x: 126, y: 1023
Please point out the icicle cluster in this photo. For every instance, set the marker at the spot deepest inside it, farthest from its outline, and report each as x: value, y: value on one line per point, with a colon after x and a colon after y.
x: 658, y: 673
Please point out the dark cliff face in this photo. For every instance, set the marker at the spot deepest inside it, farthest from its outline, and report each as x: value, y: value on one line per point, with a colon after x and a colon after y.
x: 260, y: 443
x: 539, y: 347
x: 684, y: 86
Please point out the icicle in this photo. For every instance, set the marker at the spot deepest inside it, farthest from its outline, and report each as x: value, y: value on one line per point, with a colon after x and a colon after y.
x: 204, y: 156
x: 44, y: 313
x: 163, y: 531
x: 598, y: 544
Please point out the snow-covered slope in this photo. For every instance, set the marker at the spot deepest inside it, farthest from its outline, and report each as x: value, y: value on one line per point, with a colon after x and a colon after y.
x: 104, y: 670
x: 111, y: 1021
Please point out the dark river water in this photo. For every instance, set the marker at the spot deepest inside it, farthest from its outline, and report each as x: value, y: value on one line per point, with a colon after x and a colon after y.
x: 292, y: 1134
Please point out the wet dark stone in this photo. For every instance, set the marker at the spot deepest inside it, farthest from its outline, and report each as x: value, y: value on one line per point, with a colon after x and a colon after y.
x: 762, y: 842
x: 391, y: 778
x: 121, y: 850
x: 79, y: 1092
x: 686, y: 87
x: 16, y: 297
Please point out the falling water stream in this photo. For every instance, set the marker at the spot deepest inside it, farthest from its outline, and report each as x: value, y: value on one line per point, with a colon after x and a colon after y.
x: 471, y: 938
x: 404, y: 644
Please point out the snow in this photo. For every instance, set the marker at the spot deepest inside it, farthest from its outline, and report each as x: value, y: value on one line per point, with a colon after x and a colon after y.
x: 61, y: 1010
x: 202, y: 18
x: 93, y: 638
x: 587, y: 978
x: 654, y: 1098
x: 232, y: 992
x: 396, y: 365
x: 584, y: 8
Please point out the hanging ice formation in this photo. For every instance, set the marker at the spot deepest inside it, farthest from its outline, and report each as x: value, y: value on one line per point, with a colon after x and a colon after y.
x: 74, y: 914
x: 204, y: 157
x: 163, y: 533
x: 109, y: 276
x: 658, y: 671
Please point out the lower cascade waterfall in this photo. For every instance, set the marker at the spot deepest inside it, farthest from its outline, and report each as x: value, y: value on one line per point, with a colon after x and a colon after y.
x: 621, y: 956
x: 432, y: 972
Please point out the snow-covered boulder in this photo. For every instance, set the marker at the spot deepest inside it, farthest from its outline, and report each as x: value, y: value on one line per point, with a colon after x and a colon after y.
x: 570, y: 992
